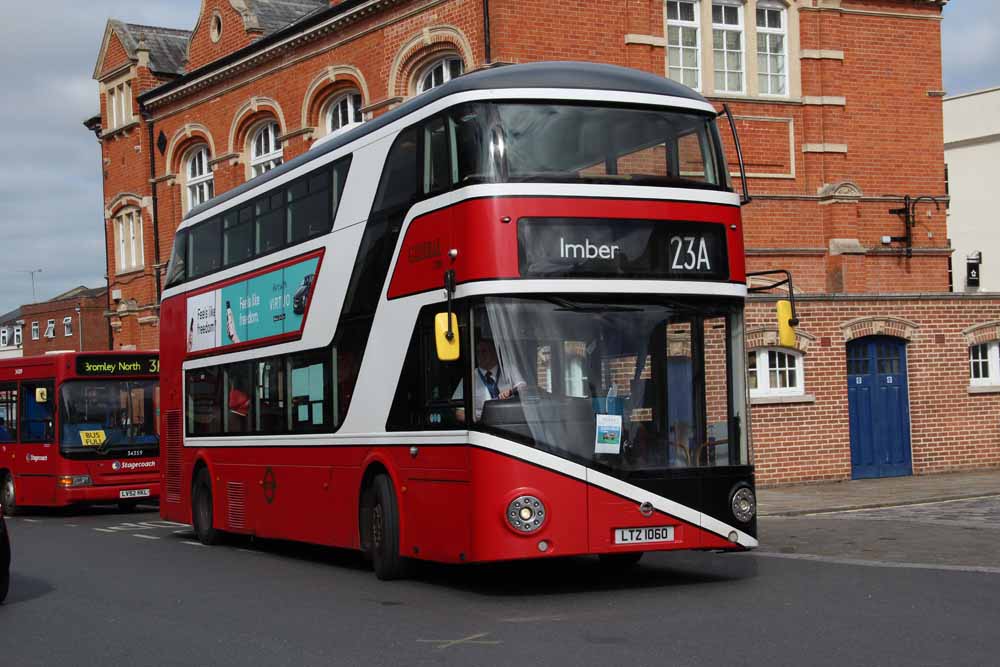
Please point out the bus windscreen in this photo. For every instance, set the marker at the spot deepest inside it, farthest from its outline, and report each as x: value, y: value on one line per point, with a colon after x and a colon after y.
x: 103, y: 415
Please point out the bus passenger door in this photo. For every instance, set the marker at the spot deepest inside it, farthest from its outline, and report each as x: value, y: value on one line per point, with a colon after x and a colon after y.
x: 36, y: 459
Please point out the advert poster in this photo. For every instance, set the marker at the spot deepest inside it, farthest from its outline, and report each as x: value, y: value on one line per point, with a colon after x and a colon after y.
x: 268, y: 305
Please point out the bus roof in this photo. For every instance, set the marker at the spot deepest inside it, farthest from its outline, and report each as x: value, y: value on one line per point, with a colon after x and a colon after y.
x: 564, y: 74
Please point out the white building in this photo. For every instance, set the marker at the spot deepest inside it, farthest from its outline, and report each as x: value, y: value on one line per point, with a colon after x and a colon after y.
x: 11, y: 335
x: 972, y: 155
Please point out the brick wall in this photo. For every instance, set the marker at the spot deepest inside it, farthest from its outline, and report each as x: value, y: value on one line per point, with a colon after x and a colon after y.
x: 91, y: 317
x: 951, y: 428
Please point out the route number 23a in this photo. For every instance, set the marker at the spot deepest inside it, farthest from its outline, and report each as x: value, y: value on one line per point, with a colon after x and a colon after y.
x: 689, y: 253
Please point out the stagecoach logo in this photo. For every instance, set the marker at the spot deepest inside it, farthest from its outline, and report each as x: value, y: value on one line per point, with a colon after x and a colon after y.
x: 132, y: 465
x: 31, y: 458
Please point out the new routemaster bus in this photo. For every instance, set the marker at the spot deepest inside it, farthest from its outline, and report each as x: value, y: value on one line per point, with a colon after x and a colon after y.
x: 502, y: 321
x: 79, y: 427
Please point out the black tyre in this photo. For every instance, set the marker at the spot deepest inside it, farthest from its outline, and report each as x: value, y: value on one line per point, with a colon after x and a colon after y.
x: 202, y: 515
x: 383, y: 531
x: 7, y: 494
x: 622, y: 561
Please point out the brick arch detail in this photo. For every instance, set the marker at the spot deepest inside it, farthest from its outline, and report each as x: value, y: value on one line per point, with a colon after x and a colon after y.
x: 184, y: 138
x: 122, y: 201
x: 759, y: 337
x: 987, y: 332
x: 427, y: 45
x: 250, y: 114
x: 327, y: 84
x: 880, y: 326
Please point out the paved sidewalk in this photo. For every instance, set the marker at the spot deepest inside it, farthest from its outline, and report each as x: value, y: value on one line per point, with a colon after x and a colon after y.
x: 868, y: 493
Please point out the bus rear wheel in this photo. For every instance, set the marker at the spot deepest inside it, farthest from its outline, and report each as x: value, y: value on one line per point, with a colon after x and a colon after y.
x: 383, y: 530
x: 622, y: 561
x: 7, y: 494
x: 201, y: 509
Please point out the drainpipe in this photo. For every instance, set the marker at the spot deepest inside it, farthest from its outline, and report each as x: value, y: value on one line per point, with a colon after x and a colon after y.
x: 156, y: 218
x: 486, y: 31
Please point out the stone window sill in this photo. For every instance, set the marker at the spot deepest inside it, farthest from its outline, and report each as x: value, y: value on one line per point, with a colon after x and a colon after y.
x: 778, y: 400
x: 121, y: 129
x: 984, y: 388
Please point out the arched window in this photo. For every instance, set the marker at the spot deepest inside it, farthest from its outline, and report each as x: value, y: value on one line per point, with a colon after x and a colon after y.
x: 200, y: 185
x: 344, y: 111
x: 440, y: 72
x: 265, y: 149
x: 775, y: 372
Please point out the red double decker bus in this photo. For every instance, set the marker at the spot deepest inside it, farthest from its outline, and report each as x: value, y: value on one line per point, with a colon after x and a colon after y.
x: 502, y: 321
x: 79, y: 427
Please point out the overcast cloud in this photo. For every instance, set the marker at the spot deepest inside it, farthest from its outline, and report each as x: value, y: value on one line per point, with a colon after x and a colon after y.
x: 50, y: 186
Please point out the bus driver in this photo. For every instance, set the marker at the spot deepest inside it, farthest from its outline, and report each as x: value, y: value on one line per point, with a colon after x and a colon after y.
x: 490, y: 380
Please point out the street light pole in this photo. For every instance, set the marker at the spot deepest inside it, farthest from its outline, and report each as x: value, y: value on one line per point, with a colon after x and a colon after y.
x: 79, y: 331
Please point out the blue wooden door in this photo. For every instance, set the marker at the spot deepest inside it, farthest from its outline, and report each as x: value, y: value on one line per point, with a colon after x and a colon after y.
x: 879, y: 407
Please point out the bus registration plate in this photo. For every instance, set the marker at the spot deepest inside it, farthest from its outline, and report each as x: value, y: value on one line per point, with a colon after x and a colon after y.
x: 644, y: 535
x: 134, y: 493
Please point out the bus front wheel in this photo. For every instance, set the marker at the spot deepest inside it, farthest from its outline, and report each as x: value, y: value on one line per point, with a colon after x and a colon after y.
x: 201, y: 509
x: 384, y: 531
x: 7, y: 495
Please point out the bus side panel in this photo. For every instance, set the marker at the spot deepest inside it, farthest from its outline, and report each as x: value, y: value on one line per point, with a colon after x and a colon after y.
x: 176, y: 462
x: 496, y: 480
x: 434, y: 502
x: 36, y: 467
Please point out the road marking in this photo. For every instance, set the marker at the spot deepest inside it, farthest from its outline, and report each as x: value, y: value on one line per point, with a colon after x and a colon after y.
x: 532, y: 619
x: 147, y: 537
x: 31, y: 520
x: 471, y: 639
x: 197, y: 544
x: 105, y: 530
x: 71, y: 525
x: 982, y: 569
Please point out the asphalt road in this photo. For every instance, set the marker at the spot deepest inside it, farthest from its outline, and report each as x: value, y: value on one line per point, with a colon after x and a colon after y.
x: 106, y: 588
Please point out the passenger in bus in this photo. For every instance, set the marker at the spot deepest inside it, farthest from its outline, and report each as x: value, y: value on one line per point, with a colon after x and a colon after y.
x: 239, y: 408
x: 5, y: 435
x: 490, y: 380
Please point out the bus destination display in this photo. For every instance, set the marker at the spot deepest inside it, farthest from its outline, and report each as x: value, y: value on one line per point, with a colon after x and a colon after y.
x: 101, y: 365
x: 580, y: 248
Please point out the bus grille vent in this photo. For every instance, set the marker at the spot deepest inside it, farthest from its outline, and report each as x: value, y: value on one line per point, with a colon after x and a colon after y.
x: 236, y: 494
x: 174, y: 447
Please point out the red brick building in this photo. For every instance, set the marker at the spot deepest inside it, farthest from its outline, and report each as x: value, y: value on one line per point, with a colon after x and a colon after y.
x: 72, y: 321
x: 838, y: 104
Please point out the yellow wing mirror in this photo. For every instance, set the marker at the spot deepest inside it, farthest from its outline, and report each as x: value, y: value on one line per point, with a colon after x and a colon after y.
x: 786, y: 324
x: 446, y: 336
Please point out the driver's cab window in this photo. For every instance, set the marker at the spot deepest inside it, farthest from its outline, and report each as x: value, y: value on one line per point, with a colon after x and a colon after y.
x: 37, y: 400
x: 430, y: 392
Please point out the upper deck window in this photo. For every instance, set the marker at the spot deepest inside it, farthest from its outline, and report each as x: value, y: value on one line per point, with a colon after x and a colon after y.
x: 605, y: 144
x: 284, y: 216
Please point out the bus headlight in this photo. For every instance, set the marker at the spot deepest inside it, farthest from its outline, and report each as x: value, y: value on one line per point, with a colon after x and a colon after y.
x: 743, y: 504
x: 526, y: 514
x: 69, y: 481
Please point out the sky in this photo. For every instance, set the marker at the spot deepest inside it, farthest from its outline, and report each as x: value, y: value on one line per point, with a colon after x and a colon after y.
x: 50, y: 183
